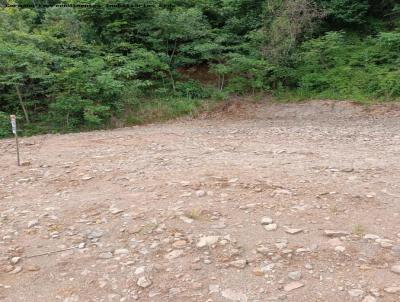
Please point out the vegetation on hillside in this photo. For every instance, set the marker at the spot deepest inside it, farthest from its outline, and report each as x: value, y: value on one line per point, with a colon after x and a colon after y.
x: 73, y: 68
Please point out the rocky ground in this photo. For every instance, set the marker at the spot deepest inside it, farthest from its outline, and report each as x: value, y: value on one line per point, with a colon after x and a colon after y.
x: 263, y: 203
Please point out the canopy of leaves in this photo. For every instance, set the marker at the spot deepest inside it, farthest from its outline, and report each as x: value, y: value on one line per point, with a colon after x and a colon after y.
x: 71, y: 68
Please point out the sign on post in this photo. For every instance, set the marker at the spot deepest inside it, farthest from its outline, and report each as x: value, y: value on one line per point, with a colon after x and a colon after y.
x: 14, y: 130
x: 13, y: 124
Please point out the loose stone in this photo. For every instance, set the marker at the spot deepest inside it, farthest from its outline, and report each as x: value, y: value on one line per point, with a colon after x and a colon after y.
x: 356, y: 292
x: 232, y: 295
x: 331, y: 233
x: 266, y: 220
x: 144, y: 282
x: 295, y: 276
x: 271, y: 227
x: 369, y: 299
x: 292, y: 286
x: 33, y: 223
x: 395, y: 269
x: 174, y: 254
x: 207, y: 241
x: 105, y: 255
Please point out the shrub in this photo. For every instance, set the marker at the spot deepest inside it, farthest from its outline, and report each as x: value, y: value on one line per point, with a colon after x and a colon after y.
x: 5, y: 127
x: 192, y: 90
x: 340, y: 66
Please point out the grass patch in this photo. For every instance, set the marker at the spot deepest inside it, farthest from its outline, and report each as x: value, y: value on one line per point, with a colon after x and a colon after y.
x: 139, y: 112
x: 298, y: 96
x: 194, y: 214
x: 359, y: 230
x: 160, y: 110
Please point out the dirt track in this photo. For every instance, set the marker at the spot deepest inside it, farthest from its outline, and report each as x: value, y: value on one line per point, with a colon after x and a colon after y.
x: 173, y: 212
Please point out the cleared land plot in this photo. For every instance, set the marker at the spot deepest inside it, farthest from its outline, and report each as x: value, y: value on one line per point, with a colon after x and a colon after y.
x: 174, y: 212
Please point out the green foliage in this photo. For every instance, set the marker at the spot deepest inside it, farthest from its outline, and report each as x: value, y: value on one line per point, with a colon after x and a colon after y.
x: 347, y: 11
x: 162, y: 109
x: 246, y: 74
x: 66, y: 69
x: 341, y: 66
x: 88, y: 94
x: 286, y: 23
x: 5, y: 126
x: 192, y: 90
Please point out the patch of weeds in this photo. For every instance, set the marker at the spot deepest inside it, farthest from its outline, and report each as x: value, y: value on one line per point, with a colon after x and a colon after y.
x: 334, y: 209
x: 195, y: 214
x: 148, y: 228
x: 359, y: 230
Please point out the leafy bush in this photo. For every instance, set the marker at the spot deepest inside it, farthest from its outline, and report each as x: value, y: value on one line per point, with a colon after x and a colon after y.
x: 5, y: 127
x: 148, y: 110
x: 70, y: 113
x: 243, y: 73
x: 340, y: 66
x: 192, y: 90
x: 66, y: 69
x: 388, y: 85
x: 346, y: 11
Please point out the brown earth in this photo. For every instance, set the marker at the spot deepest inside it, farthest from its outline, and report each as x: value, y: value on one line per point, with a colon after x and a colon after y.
x: 172, y: 212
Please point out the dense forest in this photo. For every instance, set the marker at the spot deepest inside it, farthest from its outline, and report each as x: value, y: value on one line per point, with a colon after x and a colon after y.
x: 65, y: 66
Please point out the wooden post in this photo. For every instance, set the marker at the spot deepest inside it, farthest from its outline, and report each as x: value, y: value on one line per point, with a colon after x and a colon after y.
x: 14, y: 130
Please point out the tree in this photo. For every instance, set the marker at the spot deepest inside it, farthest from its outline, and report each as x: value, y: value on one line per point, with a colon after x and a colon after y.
x: 21, y: 61
x: 68, y: 68
x: 285, y: 24
x: 87, y: 93
x: 179, y: 34
x: 346, y: 11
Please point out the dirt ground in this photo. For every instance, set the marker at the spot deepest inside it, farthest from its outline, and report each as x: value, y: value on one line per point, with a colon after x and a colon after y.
x: 266, y: 202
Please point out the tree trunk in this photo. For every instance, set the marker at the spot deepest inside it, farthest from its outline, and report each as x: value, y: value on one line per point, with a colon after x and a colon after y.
x: 21, y: 102
x: 171, y: 60
x: 172, y: 79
